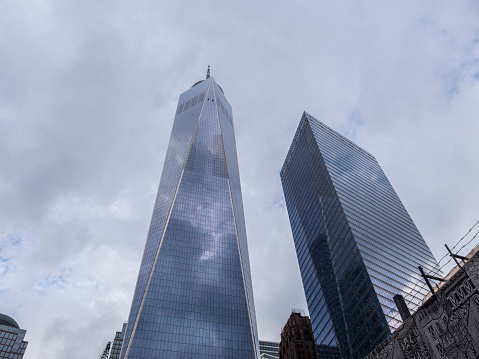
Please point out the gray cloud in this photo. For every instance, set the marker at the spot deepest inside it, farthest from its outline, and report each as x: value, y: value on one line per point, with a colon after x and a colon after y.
x: 88, y: 92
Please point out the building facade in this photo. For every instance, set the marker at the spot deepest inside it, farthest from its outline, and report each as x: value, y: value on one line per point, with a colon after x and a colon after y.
x: 117, y: 343
x: 12, y: 345
x: 446, y: 325
x: 268, y: 350
x: 194, y: 297
x: 356, y: 244
x: 297, y: 339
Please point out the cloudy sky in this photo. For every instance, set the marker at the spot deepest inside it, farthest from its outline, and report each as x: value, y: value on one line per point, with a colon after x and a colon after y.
x: 88, y: 91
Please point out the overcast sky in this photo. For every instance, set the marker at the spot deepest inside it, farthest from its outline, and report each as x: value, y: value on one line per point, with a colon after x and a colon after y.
x: 88, y: 92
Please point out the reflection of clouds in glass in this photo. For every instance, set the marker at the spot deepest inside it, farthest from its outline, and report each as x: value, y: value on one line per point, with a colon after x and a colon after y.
x: 207, y: 255
x: 174, y: 152
x: 198, y: 276
x: 335, y: 189
x: 415, y: 291
x: 212, y: 249
x: 209, y: 210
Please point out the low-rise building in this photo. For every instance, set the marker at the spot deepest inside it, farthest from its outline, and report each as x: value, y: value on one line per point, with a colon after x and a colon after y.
x: 268, y: 350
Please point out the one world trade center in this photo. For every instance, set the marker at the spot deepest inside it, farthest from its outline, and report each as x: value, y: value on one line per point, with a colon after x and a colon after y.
x: 193, y: 296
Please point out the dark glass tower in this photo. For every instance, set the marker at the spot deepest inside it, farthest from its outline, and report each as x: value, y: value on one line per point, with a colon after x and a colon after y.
x: 193, y: 297
x: 356, y: 244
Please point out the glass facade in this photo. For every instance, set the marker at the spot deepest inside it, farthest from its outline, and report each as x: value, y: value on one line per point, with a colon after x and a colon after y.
x: 12, y: 345
x: 268, y: 350
x: 194, y: 297
x: 356, y: 244
x: 117, y: 343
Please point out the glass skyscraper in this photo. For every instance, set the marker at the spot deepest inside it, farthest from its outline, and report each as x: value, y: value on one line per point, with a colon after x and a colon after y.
x: 193, y: 297
x: 117, y: 343
x: 356, y: 244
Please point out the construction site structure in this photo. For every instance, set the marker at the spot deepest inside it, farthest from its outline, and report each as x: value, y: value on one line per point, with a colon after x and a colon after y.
x: 106, y: 351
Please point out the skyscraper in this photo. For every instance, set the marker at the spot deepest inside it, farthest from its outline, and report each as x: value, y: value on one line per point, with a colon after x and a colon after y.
x: 356, y: 244
x: 193, y: 297
x: 12, y: 344
x: 117, y: 343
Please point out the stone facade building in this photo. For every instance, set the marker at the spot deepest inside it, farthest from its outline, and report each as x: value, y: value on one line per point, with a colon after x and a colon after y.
x: 446, y: 325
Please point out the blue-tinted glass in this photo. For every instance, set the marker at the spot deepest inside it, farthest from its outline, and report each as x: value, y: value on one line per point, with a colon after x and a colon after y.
x: 356, y: 244
x: 194, y: 296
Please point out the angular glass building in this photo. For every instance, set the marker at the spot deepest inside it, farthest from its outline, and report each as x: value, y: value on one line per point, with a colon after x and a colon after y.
x: 356, y: 244
x: 193, y: 297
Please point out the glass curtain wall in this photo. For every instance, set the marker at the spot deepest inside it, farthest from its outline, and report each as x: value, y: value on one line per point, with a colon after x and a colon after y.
x: 194, y: 297
x: 356, y: 244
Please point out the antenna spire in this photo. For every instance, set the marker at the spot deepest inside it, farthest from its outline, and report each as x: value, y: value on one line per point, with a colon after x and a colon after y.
x: 208, y: 72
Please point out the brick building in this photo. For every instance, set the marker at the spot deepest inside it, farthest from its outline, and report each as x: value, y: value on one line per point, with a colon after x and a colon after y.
x: 297, y: 340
